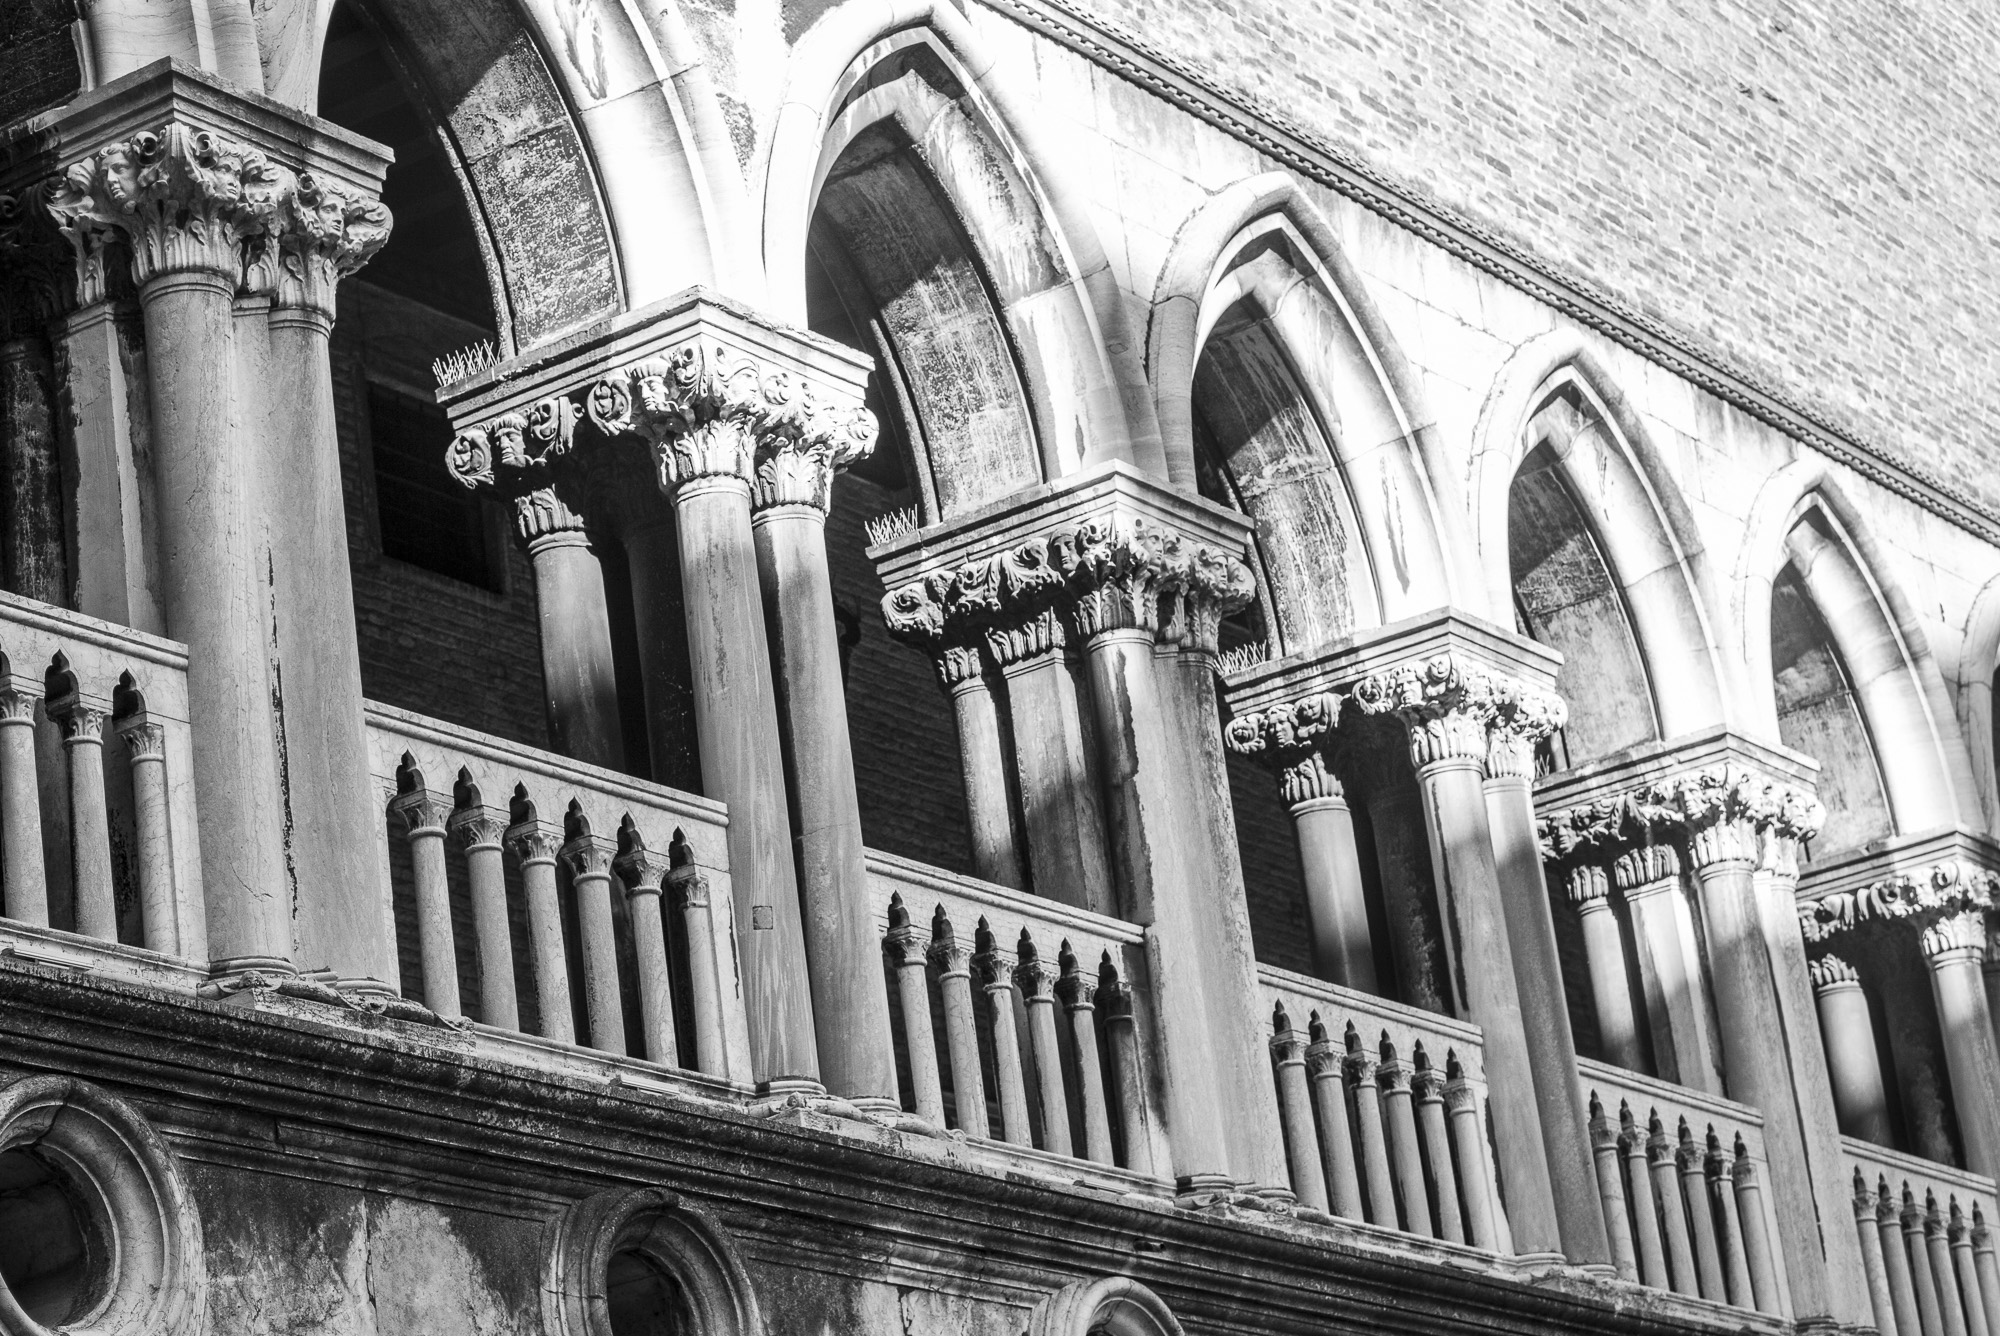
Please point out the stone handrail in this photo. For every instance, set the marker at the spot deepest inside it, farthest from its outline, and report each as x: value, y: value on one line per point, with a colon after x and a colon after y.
x: 1682, y: 1177
x: 102, y: 863
x: 1039, y: 1007
x: 1925, y: 1240
x: 1384, y: 1111
x: 559, y: 899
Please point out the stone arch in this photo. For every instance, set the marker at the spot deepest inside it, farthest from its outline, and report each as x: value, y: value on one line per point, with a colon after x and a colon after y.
x: 1259, y: 255
x: 1803, y: 521
x: 923, y: 77
x: 662, y: 1230
x: 1111, y: 1306
x: 1635, y: 514
x: 1978, y: 661
x: 113, y: 1169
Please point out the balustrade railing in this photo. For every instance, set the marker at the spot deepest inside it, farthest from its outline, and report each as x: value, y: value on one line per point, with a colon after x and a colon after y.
x: 537, y: 895
x: 1384, y: 1111
x: 1926, y: 1243
x: 1681, y: 1175
x: 98, y: 849
x: 1018, y: 1020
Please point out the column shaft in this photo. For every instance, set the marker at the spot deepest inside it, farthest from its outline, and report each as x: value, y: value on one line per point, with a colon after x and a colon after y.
x: 577, y: 674
x: 653, y: 556
x: 1675, y: 1004
x: 1955, y: 950
x: 1066, y: 828
x: 104, y: 370
x: 982, y: 759
x: 849, y: 1005
x: 346, y: 925
x: 1604, y: 951
x: 736, y: 720
x: 1336, y: 908
x: 33, y: 555
x: 1860, y: 1098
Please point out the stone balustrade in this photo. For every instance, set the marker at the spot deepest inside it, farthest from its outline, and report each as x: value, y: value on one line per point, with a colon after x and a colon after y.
x: 537, y: 895
x: 101, y: 867
x: 1683, y: 1176
x: 1022, y: 1023
x: 1926, y: 1243
x: 1385, y: 1112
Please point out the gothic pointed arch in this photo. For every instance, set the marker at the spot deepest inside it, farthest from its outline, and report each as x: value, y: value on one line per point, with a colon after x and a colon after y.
x: 1556, y: 434
x: 899, y: 146
x: 1978, y: 663
x: 1846, y: 666
x: 1268, y: 358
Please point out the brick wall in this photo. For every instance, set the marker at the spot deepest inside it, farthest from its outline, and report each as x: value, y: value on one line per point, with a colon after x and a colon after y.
x: 1810, y: 189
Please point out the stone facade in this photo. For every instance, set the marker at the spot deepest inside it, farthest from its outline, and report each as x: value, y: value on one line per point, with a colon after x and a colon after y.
x: 836, y: 668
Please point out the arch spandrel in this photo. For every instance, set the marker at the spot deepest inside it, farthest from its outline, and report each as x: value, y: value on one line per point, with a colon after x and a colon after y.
x: 924, y: 70
x: 1634, y: 510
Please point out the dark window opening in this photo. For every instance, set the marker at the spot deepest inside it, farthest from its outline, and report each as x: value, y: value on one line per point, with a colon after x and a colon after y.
x: 641, y: 1299
x: 426, y: 518
x: 51, y: 1261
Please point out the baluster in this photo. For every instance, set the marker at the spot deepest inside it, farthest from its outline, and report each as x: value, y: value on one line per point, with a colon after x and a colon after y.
x: 997, y: 973
x: 23, y: 878
x: 146, y: 748
x: 1896, y: 1263
x: 1038, y: 990
x: 1361, y: 1081
x: 1873, y: 1266
x: 536, y: 842
x: 1757, y: 1233
x: 1701, y: 1215
x: 1673, y: 1211
x: 82, y: 721
x: 1121, y: 1032
x: 908, y: 956
x: 1611, y: 1190
x: 1729, y: 1225
x: 690, y: 892
x: 641, y: 870
x: 1987, y: 1267
x: 1645, y: 1210
x: 589, y: 857
x: 1967, y: 1272
x: 953, y: 959
x: 1427, y: 1084
x: 1475, y: 1170
x: 1326, y: 1065
x: 424, y: 811
x: 1400, y: 1124
x: 479, y: 830
x: 1078, y: 992
x: 1939, y: 1249
x: 1923, y: 1279
x: 1295, y: 1110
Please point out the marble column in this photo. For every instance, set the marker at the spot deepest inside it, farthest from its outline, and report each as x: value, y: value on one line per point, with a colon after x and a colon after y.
x: 187, y: 197
x: 1068, y: 854
x: 323, y: 233
x: 789, y: 501
x: 915, y: 614
x: 1387, y: 787
x: 1604, y: 953
x: 1296, y: 741
x: 1445, y: 706
x: 1847, y: 1031
x: 1722, y: 809
x: 1671, y: 977
x: 703, y: 435
x: 1955, y: 949
x: 101, y: 356
x: 579, y: 681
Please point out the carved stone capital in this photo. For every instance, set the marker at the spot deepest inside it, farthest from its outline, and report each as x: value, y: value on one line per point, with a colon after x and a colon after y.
x: 1526, y: 716
x: 1645, y: 865
x: 184, y: 199
x: 541, y: 517
x: 1955, y: 937
x: 324, y: 232
x: 1076, y: 987
x: 17, y: 706
x: 424, y: 810
x: 1445, y: 702
x: 902, y: 943
x: 534, y: 841
x: 145, y: 740
x: 478, y: 827
x: 588, y: 855
x: 1831, y: 972
x: 711, y: 410
x: 1035, y: 977
x: 1587, y: 884
x: 1296, y: 741
x: 1917, y: 899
